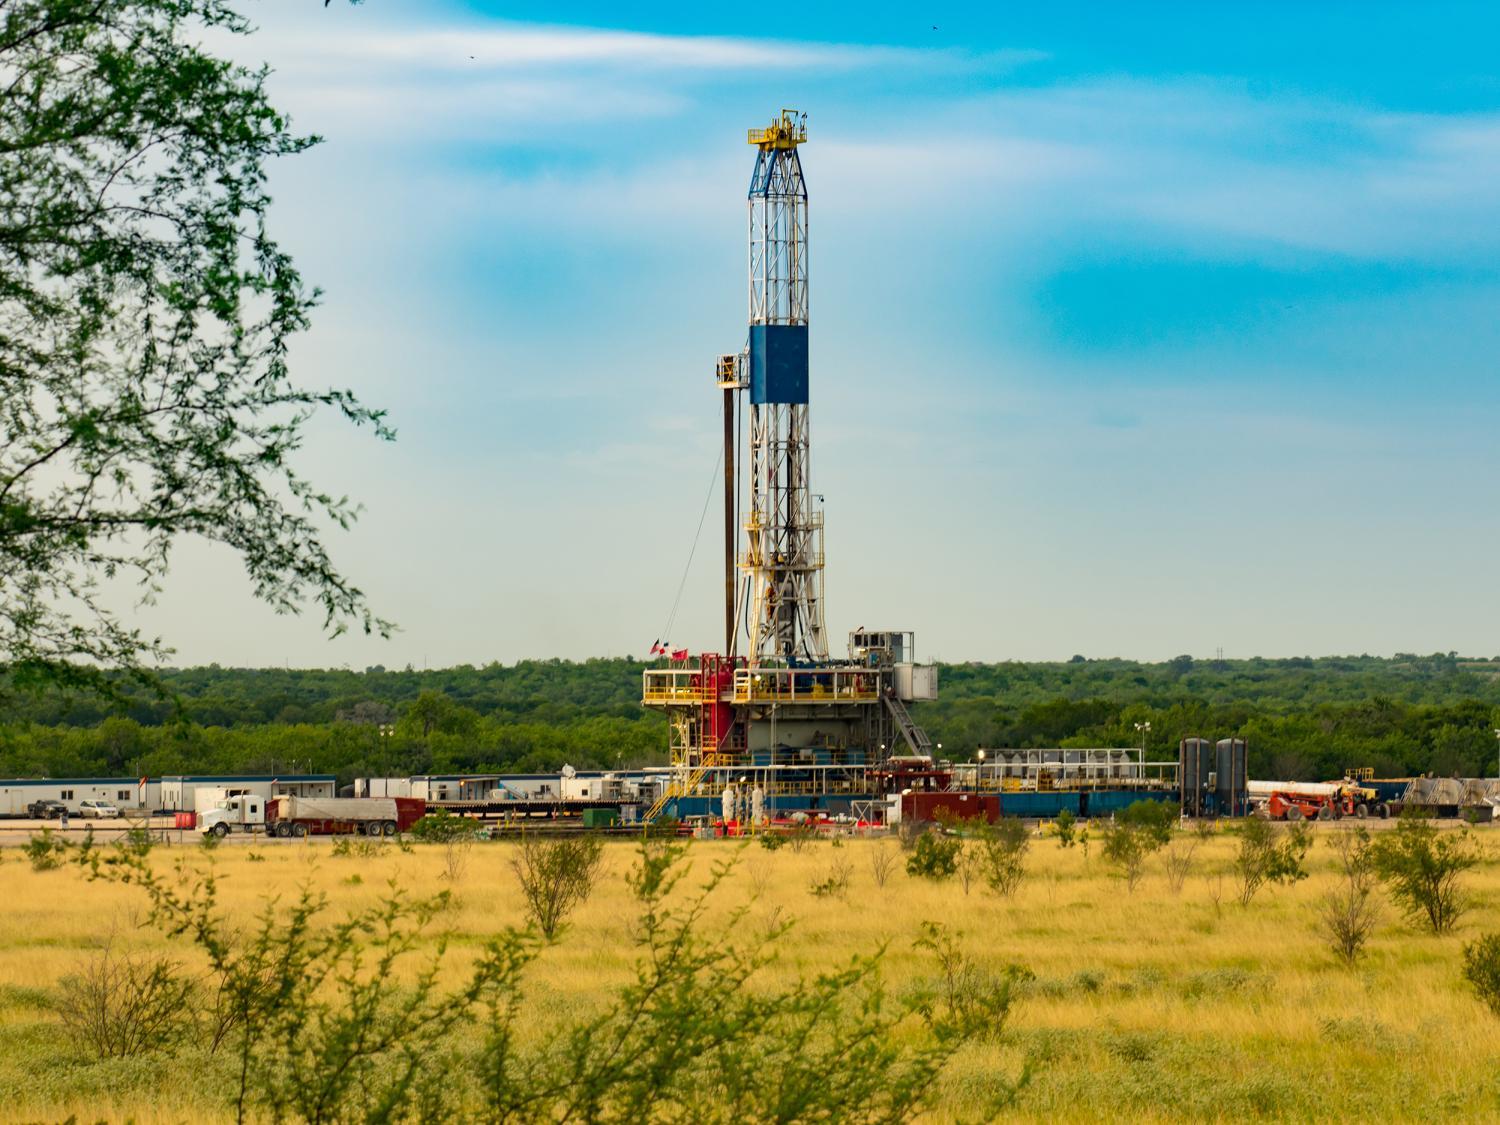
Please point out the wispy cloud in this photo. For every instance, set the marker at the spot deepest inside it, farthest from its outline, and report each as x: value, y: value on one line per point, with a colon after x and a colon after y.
x: 465, y: 50
x: 481, y: 51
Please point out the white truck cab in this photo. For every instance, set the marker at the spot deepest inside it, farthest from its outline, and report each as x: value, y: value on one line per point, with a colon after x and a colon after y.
x: 245, y: 813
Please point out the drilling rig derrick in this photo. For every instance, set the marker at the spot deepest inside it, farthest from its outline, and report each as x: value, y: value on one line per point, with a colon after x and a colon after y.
x: 778, y: 717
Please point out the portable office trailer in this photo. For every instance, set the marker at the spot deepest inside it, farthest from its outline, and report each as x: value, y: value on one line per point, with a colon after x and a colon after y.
x: 382, y: 786
x: 579, y: 785
x: 179, y: 792
x: 126, y: 792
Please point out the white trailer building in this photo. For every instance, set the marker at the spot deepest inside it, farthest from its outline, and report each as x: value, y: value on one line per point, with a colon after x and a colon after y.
x: 569, y: 785
x: 125, y: 792
x: 180, y: 792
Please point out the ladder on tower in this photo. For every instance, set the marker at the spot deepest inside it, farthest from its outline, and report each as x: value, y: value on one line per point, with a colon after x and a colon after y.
x: 914, y: 735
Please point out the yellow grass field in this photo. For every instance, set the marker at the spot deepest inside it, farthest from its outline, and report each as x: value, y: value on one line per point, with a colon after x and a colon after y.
x: 1145, y: 1006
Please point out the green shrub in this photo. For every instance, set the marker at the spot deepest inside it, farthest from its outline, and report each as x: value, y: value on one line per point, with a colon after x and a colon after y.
x: 1268, y: 854
x: 137, y: 840
x: 353, y: 847
x: 972, y: 1001
x: 319, y: 1033
x: 1482, y: 970
x: 935, y: 856
x: 556, y: 873
x: 1000, y: 853
x: 1349, y: 913
x: 1156, y: 819
x: 1420, y: 867
x: 1064, y: 827
x: 46, y: 850
x: 442, y: 826
x: 835, y: 880
x: 1136, y: 832
x: 123, y: 1006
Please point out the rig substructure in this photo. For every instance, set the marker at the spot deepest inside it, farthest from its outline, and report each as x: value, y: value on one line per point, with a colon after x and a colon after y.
x: 777, y: 726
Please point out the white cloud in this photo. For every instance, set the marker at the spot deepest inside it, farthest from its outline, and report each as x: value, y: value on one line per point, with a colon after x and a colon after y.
x: 467, y: 50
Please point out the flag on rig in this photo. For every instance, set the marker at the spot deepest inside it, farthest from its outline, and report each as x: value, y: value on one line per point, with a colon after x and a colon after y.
x: 679, y: 654
x: 658, y: 649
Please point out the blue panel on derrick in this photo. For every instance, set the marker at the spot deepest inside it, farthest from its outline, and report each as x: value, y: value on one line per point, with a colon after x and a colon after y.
x: 778, y: 363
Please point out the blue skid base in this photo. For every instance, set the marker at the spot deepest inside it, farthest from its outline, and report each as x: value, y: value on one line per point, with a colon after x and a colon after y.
x: 1032, y: 806
x: 832, y: 804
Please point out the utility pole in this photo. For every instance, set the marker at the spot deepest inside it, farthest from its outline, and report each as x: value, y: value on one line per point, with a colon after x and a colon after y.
x: 729, y: 380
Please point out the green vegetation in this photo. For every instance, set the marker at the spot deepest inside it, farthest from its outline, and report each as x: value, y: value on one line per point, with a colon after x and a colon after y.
x: 1421, y: 868
x: 1122, y: 1003
x: 1269, y: 853
x: 935, y: 855
x: 325, y: 1021
x: 1482, y: 970
x: 1349, y: 912
x: 556, y: 874
x: 1135, y: 834
x: 999, y: 852
x: 144, y: 334
x: 1304, y: 719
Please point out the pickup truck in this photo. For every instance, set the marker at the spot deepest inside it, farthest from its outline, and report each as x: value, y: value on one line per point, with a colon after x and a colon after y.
x: 46, y: 809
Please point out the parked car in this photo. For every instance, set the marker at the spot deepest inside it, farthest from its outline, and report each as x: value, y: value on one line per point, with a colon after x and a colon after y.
x: 46, y: 809
x: 99, y: 809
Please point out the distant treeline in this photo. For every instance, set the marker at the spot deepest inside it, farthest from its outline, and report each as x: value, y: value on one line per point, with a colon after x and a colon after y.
x: 1303, y: 717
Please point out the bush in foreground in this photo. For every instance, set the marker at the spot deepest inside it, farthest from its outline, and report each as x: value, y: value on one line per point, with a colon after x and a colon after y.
x: 1482, y: 970
x: 342, y: 1019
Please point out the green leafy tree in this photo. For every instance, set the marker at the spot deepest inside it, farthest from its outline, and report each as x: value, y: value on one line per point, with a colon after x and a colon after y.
x: 1065, y: 828
x: 556, y: 875
x: 999, y: 851
x: 1268, y: 854
x: 145, y: 393
x: 934, y: 856
x: 1482, y: 970
x: 1421, y: 867
x: 1136, y: 833
x: 1349, y: 912
x: 1156, y: 820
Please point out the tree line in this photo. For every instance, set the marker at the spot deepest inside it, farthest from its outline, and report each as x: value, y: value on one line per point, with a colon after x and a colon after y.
x: 1303, y: 718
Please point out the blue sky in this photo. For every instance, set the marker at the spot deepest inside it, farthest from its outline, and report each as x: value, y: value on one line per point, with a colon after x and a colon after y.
x: 1137, y: 329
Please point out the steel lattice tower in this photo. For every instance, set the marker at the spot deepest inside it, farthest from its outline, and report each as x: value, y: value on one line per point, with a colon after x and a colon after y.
x: 780, y: 723
x: 784, y: 557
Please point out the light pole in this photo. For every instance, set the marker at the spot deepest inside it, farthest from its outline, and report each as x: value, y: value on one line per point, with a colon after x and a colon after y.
x: 1497, y: 752
x: 978, y: 770
x: 384, y: 732
x: 1145, y: 729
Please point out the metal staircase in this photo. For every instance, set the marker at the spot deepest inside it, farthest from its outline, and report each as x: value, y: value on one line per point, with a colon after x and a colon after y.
x: 914, y: 735
x: 708, y: 759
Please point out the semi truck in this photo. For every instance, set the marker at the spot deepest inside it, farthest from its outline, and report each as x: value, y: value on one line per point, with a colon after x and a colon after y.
x: 312, y: 816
